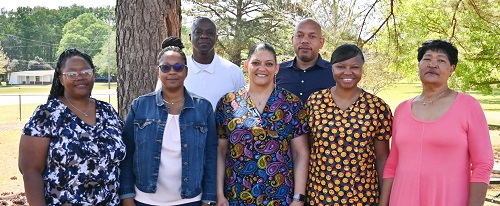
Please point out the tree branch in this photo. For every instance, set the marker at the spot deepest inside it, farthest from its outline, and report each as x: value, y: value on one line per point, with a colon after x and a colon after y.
x: 478, y: 11
x: 381, y: 25
x: 372, y: 7
x: 454, y: 21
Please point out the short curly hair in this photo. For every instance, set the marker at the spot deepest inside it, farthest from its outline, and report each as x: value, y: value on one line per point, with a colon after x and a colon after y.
x: 440, y: 46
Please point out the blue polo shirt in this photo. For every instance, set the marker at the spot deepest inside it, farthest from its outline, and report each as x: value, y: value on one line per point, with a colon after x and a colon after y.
x: 304, y: 82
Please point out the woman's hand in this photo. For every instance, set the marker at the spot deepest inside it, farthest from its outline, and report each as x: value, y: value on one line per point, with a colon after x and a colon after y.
x: 296, y: 203
x: 221, y: 167
x: 128, y: 202
x: 222, y: 201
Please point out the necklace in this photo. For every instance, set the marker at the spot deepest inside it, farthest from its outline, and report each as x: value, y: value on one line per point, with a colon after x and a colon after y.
x: 258, y: 101
x: 84, y: 113
x: 171, y: 103
x: 424, y: 103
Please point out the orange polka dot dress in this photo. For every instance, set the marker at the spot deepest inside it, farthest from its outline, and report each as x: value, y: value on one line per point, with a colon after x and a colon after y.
x: 342, y: 162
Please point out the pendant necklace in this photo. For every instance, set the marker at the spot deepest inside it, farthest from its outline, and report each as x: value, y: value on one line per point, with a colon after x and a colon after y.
x: 172, y: 103
x: 425, y: 103
x: 84, y: 113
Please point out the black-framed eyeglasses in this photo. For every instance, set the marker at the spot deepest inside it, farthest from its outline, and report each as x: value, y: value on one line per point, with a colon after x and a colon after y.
x: 85, y: 74
x: 165, y: 68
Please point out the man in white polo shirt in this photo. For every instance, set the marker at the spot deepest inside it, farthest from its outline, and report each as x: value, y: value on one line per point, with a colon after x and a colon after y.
x: 209, y: 75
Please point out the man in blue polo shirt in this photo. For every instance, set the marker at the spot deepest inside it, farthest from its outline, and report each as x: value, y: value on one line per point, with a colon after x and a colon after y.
x: 307, y: 72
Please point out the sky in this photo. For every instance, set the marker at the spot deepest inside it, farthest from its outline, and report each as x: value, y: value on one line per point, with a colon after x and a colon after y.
x: 54, y: 4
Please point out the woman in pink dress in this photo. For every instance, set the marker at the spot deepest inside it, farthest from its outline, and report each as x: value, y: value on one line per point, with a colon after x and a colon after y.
x: 441, y: 151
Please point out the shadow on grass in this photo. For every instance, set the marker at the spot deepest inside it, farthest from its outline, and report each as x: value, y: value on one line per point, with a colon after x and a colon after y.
x: 494, y: 127
x: 490, y: 101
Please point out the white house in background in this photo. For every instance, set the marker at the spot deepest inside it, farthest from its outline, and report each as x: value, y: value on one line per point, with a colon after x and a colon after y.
x: 39, y: 77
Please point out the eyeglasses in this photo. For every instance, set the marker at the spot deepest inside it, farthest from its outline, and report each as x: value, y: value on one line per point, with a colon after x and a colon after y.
x: 85, y: 74
x: 165, y: 68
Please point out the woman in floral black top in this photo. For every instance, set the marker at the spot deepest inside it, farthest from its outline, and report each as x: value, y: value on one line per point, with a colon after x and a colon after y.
x: 71, y: 147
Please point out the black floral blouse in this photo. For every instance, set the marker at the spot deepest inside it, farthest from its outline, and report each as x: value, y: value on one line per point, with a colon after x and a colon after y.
x: 82, y: 160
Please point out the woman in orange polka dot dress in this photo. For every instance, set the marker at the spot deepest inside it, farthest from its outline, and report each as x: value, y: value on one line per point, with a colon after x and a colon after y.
x: 349, y: 138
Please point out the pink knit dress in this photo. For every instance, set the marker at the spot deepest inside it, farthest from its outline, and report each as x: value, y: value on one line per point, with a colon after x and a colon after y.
x: 433, y: 162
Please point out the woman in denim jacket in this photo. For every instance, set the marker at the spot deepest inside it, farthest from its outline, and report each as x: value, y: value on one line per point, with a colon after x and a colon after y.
x: 171, y: 141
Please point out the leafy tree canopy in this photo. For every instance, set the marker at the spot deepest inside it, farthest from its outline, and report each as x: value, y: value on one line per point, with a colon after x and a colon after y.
x: 4, y: 61
x: 472, y: 26
x: 38, y: 64
x: 26, y: 32
x: 106, y: 58
x: 86, y: 33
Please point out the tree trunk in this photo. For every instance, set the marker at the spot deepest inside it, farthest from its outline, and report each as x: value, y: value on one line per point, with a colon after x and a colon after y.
x: 141, y: 26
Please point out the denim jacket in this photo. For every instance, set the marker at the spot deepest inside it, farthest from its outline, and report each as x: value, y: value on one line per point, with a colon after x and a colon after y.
x: 143, y: 135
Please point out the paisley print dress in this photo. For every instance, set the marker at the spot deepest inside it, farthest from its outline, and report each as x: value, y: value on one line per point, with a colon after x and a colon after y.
x: 342, y: 161
x: 82, y: 160
x: 259, y: 167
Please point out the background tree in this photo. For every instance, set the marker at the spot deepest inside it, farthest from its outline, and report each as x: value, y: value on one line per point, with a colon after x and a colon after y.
x: 4, y: 62
x: 107, y: 58
x: 29, y: 32
x: 471, y: 25
x: 86, y: 33
x: 38, y: 64
x: 141, y: 27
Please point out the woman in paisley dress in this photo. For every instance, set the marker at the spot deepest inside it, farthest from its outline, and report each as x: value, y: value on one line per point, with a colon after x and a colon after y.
x: 350, y: 131
x: 71, y: 147
x: 262, y: 129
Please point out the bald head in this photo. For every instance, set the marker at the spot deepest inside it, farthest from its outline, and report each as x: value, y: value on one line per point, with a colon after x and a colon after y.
x: 312, y: 23
x: 201, y: 20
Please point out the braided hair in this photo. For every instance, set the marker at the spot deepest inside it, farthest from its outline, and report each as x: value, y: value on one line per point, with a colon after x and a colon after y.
x: 174, y: 44
x: 57, y: 89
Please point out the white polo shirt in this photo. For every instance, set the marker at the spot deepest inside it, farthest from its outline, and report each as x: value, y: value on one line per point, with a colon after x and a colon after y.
x: 219, y: 78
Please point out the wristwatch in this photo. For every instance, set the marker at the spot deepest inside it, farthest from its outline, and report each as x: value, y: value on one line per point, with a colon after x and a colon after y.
x: 211, y: 203
x: 299, y: 197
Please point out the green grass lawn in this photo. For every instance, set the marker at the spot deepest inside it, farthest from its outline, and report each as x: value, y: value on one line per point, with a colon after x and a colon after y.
x: 403, y: 91
x: 10, y: 113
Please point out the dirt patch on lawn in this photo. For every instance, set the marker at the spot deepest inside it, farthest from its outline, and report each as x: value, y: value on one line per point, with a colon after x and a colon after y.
x: 13, y: 199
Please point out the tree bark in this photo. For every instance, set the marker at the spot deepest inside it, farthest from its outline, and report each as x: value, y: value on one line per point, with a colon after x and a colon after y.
x: 141, y: 26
